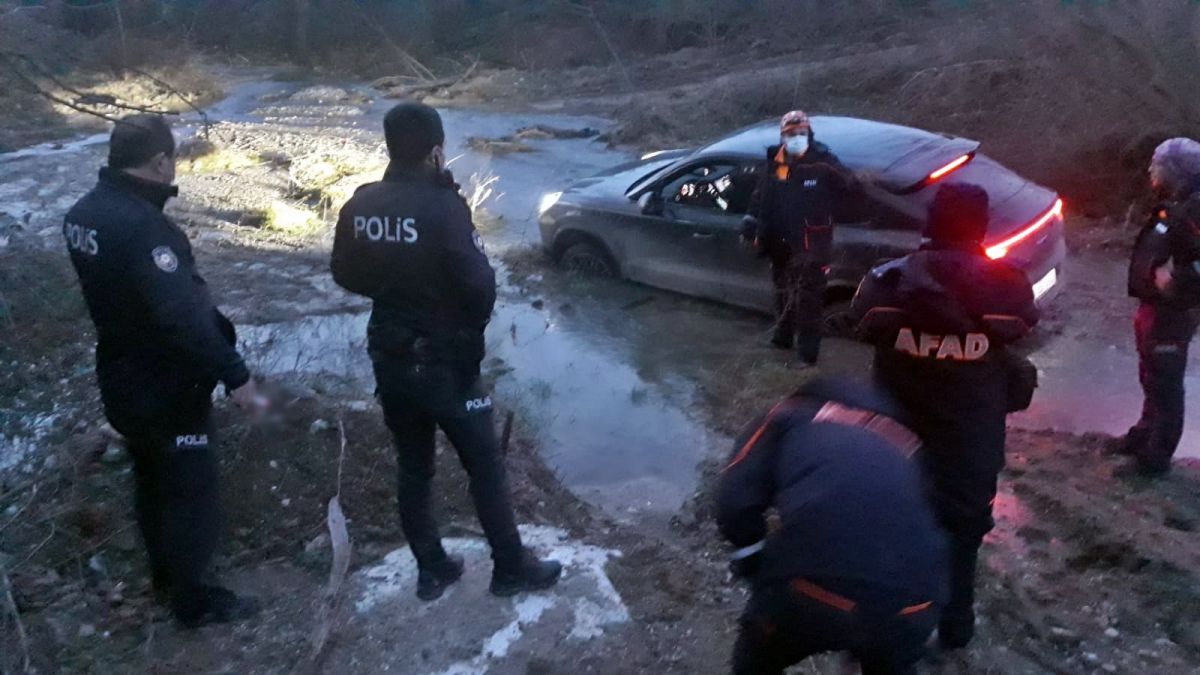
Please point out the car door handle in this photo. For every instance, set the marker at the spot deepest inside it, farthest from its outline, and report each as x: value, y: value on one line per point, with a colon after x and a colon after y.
x: 703, y: 235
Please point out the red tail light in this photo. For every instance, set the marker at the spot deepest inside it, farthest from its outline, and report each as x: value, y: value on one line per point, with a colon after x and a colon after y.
x: 948, y: 169
x: 1001, y: 248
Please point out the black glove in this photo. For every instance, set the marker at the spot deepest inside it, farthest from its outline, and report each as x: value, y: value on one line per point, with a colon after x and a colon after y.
x: 749, y: 229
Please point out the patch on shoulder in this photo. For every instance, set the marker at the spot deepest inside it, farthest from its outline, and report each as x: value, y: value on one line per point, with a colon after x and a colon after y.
x: 478, y: 242
x: 165, y: 259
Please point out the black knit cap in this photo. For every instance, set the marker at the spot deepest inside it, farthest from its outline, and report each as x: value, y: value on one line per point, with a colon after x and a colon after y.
x: 958, y: 213
x: 412, y: 131
x: 136, y: 139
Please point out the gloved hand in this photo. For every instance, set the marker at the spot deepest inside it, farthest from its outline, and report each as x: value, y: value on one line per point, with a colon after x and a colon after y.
x: 749, y: 229
x: 746, y: 562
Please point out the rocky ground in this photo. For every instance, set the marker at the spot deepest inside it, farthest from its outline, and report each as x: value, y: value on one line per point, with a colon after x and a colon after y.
x: 1084, y: 573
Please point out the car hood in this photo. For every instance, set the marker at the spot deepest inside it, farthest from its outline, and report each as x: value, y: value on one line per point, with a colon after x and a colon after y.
x: 611, y: 185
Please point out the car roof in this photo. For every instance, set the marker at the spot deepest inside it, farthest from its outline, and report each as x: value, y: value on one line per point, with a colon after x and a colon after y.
x: 862, y: 145
x: 897, y: 157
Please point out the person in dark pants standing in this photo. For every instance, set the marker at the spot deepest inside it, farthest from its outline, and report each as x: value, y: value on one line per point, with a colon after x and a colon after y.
x: 801, y: 188
x: 1164, y: 274
x: 941, y: 320
x: 408, y: 243
x: 858, y: 563
x: 162, y: 347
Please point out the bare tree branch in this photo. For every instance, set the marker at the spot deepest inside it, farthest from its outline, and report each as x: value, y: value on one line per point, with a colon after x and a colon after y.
x: 10, y: 604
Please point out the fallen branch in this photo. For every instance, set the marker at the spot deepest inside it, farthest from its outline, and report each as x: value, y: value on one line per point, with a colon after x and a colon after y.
x: 339, y: 541
x: 590, y: 14
x: 10, y: 606
x: 405, y: 58
x: 80, y: 104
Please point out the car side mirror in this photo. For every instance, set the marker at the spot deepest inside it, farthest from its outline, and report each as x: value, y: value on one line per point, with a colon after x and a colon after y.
x: 650, y: 204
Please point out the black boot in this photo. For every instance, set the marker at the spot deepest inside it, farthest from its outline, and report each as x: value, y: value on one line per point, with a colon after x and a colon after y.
x: 527, y: 573
x: 810, y: 349
x: 213, y: 604
x: 957, y: 625
x: 782, y: 340
x: 1137, y: 468
x: 434, y: 579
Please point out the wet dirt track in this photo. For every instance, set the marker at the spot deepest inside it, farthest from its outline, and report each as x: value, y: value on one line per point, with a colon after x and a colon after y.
x: 609, y: 376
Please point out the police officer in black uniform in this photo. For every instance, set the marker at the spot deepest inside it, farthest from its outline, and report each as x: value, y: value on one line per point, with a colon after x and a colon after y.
x: 162, y: 347
x: 941, y: 320
x: 801, y: 188
x: 408, y: 243
x: 858, y: 563
x: 1164, y: 274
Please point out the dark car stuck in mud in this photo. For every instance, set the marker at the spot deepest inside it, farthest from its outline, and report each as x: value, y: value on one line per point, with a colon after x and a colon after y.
x: 672, y: 219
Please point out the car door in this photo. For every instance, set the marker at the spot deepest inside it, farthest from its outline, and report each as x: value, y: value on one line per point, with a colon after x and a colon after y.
x: 675, y: 245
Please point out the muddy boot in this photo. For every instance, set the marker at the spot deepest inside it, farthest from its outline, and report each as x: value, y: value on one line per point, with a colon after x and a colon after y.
x: 213, y: 604
x: 810, y: 350
x: 160, y: 587
x: 782, y: 341
x: 1136, y: 468
x: 1131, y: 443
x: 527, y: 574
x: 434, y: 579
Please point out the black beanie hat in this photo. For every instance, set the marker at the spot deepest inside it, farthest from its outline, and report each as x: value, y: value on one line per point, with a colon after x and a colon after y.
x: 412, y: 130
x: 136, y: 139
x: 958, y: 213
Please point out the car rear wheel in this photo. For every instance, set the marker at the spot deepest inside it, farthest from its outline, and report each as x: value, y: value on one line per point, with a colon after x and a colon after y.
x: 837, y: 321
x: 587, y: 258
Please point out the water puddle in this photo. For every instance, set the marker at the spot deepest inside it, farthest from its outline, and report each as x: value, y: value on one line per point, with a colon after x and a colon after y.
x: 1089, y: 380
x: 615, y: 436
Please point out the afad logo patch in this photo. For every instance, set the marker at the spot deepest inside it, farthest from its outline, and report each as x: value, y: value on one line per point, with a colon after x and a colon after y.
x: 971, y: 347
x: 165, y: 259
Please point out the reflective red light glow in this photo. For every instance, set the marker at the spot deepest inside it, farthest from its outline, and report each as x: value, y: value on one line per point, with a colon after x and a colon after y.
x: 1001, y: 249
x: 949, y: 168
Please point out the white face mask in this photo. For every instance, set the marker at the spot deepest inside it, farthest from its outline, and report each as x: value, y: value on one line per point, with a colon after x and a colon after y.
x: 796, y: 145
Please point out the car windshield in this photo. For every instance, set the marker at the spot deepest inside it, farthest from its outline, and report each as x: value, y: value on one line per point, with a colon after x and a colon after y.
x: 718, y: 186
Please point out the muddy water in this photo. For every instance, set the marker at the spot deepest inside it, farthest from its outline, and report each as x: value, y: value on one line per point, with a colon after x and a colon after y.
x: 604, y: 375
x: 1089, y: 373
x: 619, y: 431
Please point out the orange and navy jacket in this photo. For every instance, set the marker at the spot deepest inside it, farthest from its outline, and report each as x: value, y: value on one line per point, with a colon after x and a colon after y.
x: 797, y: 201
x: 834, y: 461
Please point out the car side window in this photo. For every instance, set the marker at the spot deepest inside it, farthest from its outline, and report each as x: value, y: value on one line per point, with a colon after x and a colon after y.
x: 718, y: 186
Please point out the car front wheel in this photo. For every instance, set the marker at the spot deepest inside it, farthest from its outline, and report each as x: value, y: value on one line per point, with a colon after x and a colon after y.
x: 587, y: 258
x: 837, y: 320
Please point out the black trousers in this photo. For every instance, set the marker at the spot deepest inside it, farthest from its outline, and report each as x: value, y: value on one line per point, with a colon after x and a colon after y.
x: 962, y: 497
x: 799, y: 303
x: 782, y: 627
x: 1163, y: 336
x: 177, y: 501
x: 418, y: 398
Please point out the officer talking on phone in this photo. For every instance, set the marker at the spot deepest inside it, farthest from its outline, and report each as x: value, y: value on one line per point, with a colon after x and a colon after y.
x: 408, y: 243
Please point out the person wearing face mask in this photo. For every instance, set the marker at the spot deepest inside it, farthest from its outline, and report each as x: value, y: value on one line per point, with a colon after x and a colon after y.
x: 408, y: 243
x: 802, y: 188
x: 162, y: 346
x: 1164, y: 274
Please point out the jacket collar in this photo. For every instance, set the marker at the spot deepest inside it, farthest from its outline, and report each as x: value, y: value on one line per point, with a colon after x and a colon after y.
x: 155, y: 193
x: 421, y: 173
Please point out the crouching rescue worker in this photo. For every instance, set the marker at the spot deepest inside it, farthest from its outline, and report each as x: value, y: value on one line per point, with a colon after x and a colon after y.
x: 857, y: 563
x: 801, y: 188
x: 408, y: 243
x: 161, y: 349
x: 1164, y: 275
x: 941, y: 320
